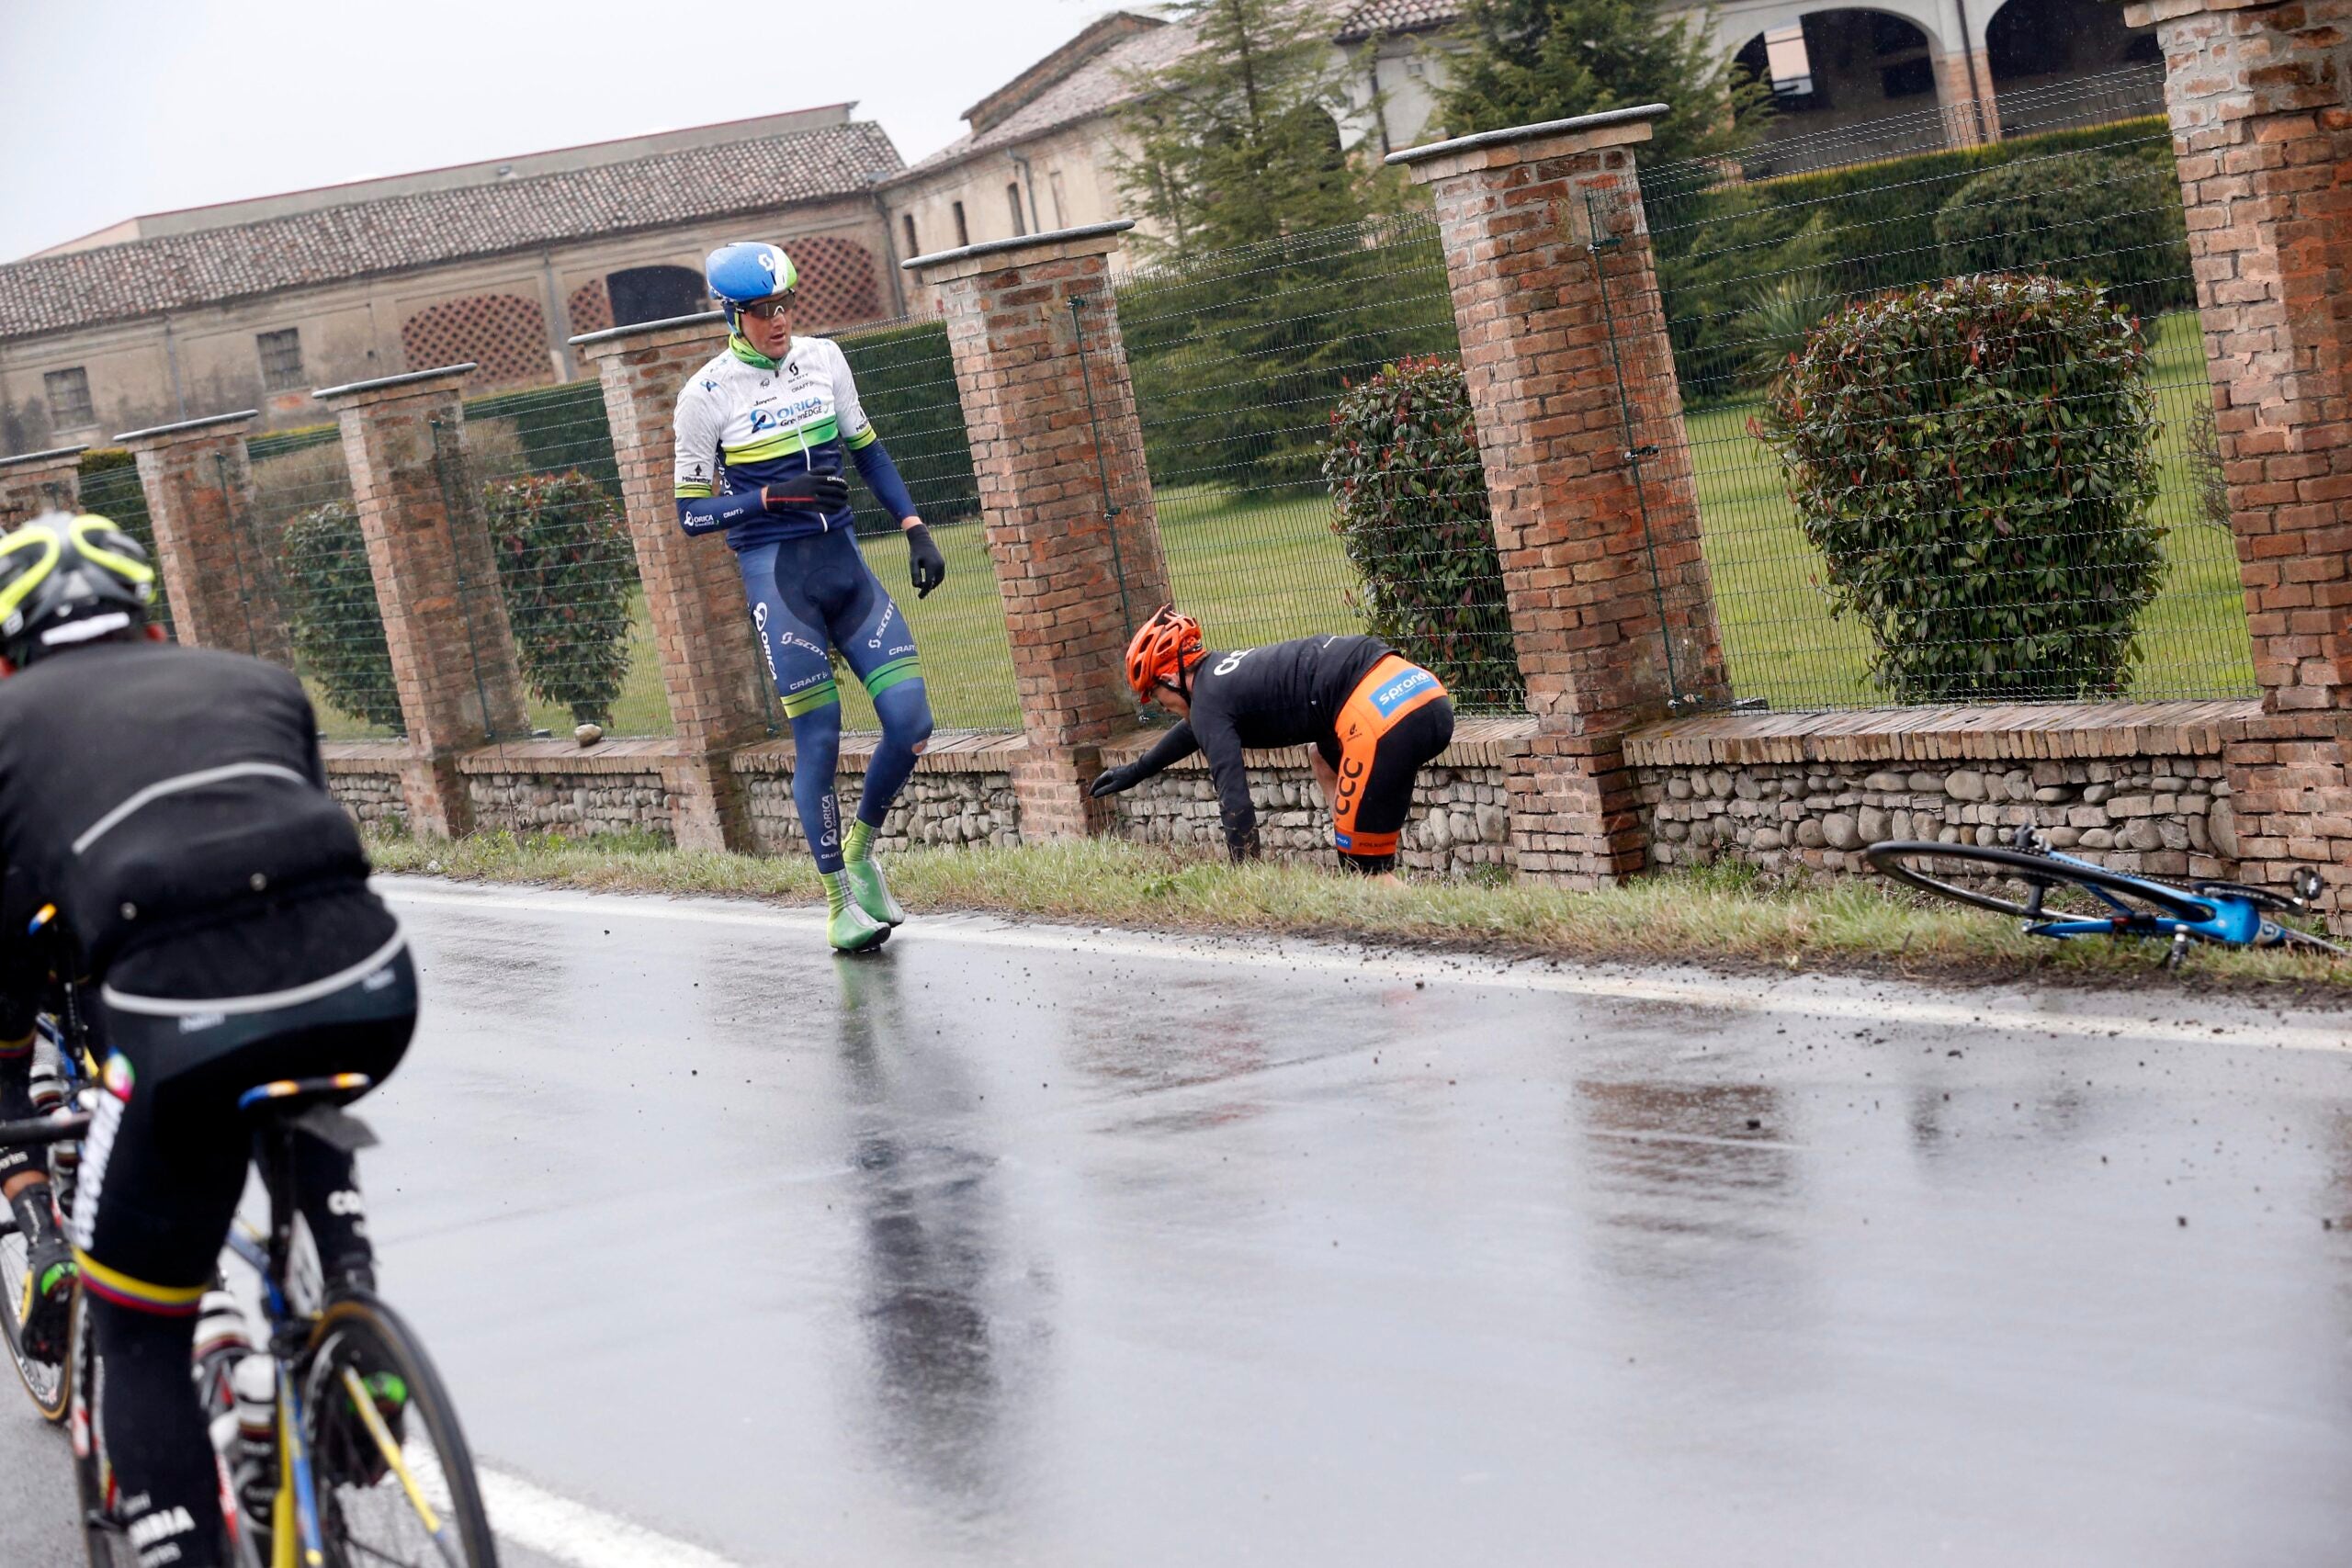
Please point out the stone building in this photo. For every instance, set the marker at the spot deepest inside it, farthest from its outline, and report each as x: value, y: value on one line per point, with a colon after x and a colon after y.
x: 251, y: 304
x: 1043, y: 148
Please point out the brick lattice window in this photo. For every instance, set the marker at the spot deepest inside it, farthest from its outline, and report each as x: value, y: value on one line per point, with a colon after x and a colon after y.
x: 504, y: 334
x: 590, y: 308
x: 69, y: 396
x: 281, y: 359
x: 838, y: 288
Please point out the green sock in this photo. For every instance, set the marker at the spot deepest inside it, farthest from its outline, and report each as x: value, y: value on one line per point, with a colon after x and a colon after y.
x: 836, y: 896
x: 859, y: 843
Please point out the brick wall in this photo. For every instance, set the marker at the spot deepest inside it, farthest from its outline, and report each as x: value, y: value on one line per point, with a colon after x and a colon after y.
x: 2260, y: 100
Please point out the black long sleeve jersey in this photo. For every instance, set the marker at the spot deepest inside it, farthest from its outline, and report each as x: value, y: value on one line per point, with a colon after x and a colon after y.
x: 1286, y: 694
x: 148, y: 790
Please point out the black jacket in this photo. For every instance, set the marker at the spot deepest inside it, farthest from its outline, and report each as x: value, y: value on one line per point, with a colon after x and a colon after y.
x: 148, y: 790
x: 1286, y: 694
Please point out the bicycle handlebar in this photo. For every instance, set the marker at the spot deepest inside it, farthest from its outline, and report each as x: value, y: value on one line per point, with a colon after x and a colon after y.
x: 51, y: 1129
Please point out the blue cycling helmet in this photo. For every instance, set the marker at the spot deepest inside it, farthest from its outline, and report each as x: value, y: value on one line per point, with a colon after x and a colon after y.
x: 746, y: 271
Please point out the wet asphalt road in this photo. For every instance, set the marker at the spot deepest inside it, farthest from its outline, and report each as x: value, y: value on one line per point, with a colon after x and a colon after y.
x: 1032, y: 1246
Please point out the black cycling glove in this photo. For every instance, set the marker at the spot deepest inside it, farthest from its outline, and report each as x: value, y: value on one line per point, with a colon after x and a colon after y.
x: 825, y: 492
x: 928, y: 567
x: 1111, y: 781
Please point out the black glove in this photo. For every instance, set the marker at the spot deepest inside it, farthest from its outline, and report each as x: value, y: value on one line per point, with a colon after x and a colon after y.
x: 928, y: 566
x: 1111, y: 781
x: 1242, y: 846
x: 825, y: 492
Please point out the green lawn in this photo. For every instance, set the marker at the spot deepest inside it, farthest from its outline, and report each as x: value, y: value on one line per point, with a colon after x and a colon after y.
x: 1259, y: 567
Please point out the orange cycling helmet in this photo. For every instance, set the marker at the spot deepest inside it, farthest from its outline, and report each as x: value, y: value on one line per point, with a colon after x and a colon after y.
x: 1162, y: 650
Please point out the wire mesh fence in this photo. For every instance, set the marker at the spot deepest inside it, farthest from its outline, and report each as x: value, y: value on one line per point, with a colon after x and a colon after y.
x: 110, y: 488
x: 540, y: 463
x: 1277, y: 388
x: 906, y: 379
x: 1946, y: 419
x: 312, y: 563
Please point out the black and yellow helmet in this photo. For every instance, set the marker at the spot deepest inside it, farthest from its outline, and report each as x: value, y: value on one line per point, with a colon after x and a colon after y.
x: 69, y: 581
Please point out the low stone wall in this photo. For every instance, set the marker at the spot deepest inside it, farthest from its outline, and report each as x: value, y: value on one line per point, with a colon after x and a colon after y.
x: 365, y: 777
x: 2142, y: 786
x: 1459, y: 820
x: 555, y: 786
x: 961, y: 794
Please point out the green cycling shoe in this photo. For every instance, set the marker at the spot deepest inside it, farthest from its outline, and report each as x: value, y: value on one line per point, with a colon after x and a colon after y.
x: 870, y: 893
x: 847, y: 926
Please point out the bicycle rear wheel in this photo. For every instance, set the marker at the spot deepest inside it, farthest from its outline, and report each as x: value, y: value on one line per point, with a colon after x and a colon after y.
x: 103, y: 1538
x: 394, y: 1477
x: 46, y: 1382
x: 2032, y: 887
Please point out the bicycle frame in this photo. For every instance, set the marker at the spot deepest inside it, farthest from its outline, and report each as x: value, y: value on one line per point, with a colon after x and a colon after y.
x: 2235, y: 923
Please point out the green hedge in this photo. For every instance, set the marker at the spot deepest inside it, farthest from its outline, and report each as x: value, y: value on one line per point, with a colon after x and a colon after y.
x: 2109, y: 219
x: 338, y: 629
x: 1975, y: 460
x: 1733, y: 259
x: 907, y: 382
x: 566, y: 570
x: 560, y: 429
x: 1410, y: 503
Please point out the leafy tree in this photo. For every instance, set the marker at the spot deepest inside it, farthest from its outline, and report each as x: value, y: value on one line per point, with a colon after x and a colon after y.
x: 1267, y: 281
x: 1530, y: 61
x: 1237, y: 141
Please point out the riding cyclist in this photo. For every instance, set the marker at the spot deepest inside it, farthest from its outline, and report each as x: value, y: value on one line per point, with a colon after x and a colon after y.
x: 762, y: 430
x: 1369, y: 718
x: 169, y: 805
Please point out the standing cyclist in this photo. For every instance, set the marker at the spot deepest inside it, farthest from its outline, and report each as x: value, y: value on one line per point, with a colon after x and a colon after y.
x: 1369, y: 718
x: 760, y: 434
x: 170, y: 802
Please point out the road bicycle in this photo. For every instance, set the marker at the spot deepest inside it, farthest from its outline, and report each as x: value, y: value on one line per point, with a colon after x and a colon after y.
x: 2060, y: 895
x: 361, y: 1461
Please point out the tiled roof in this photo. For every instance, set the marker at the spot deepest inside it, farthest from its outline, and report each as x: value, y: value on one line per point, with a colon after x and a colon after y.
x: 1095, y: 88
x: 394, y: 233
x: 1396, y: 16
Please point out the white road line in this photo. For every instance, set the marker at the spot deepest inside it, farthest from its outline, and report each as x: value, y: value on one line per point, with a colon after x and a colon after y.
x: 576, y: 1534
x: 1796, y: 998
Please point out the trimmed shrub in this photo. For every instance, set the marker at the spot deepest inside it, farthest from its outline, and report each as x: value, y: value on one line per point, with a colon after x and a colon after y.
x: 338, y: 631
x: 566, y: 570
x: 1410, y: 503
x: 1975, y: 461
x: 907, y: 382
x: 2109, y: 218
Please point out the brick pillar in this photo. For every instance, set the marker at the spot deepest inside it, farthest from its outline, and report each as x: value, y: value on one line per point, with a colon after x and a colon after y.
x: 223, y: 583
x: 1027, y: 365
x: 710, y: 660
x: 1965, y: 93
x: 2261, y: 112
x: 1563, y: 333
x: 428, y: 547
x: 35, y: 482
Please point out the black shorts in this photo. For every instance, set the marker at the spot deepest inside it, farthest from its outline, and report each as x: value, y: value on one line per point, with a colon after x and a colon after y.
x: 164, y: 1163
x: 1398, y: 718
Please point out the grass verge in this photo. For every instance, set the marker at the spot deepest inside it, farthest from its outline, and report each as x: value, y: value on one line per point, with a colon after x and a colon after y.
x: 1728, y: 917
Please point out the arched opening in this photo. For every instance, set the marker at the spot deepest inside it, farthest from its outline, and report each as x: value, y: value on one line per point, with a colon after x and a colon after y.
x: 655, y: 294
x: 1866, y: 76
x: 2071, y: 62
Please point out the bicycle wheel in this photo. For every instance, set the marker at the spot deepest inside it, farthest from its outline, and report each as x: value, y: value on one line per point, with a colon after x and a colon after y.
x: 107, y: 1542
x: 45, y: 1381
x: 2032, y: 887
x: 395, y: 1480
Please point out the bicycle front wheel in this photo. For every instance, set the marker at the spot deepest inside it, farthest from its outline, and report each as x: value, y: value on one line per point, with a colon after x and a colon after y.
x: 2032, y: 887
x: 394, y: 1478
x: 45, y: 1381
